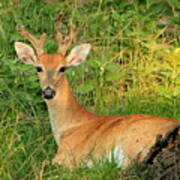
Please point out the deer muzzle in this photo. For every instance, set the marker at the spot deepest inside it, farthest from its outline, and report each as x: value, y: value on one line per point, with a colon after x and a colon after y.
x: 48, y: 93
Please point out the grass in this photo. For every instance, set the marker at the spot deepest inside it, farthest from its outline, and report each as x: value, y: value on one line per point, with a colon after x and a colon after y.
x: 133, y: 68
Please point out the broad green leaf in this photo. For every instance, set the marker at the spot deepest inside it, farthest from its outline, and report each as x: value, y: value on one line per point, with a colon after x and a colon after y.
x: 85, y: 87
x: 113, y: 76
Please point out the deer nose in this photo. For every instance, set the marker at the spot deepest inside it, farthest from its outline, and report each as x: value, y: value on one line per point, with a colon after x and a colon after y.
x: 48, y: 93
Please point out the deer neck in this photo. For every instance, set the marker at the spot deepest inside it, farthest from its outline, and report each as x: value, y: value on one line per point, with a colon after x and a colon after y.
x: 64, y: 111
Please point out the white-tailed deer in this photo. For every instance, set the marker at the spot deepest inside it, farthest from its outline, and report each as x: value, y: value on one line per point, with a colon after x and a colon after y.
x: 82, y: 135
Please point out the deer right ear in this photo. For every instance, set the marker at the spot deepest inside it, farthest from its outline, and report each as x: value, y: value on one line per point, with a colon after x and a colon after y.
x: 25, y: 53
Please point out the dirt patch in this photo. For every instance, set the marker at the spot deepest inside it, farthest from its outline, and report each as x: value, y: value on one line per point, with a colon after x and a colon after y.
x: 164, y: 157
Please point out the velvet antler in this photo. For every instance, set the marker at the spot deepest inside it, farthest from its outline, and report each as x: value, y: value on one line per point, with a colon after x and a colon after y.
x: 37, y: 43
x: 65, y: 41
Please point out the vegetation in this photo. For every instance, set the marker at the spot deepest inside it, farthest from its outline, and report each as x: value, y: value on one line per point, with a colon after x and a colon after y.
x: 134, y: 68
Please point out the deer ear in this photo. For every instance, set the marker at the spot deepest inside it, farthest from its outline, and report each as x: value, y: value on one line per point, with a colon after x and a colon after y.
x: 78, y: 54
x: 25, y: 53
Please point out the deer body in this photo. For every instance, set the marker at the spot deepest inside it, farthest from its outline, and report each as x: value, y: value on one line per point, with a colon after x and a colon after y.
x: 82, y: 135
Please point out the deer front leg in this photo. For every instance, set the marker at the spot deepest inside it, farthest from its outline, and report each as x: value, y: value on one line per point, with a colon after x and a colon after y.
x: 65, y: 157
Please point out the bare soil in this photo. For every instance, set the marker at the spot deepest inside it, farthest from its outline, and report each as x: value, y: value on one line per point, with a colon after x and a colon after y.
x: 164, y: 157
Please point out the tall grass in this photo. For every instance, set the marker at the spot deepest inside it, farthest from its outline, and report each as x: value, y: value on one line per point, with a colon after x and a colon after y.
x: 133, y: 68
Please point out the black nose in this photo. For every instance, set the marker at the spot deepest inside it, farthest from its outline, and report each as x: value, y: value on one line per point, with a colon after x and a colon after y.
x: 48, y: 93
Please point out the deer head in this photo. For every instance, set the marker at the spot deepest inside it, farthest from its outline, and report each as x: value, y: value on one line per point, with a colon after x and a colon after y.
x: 50, y: 67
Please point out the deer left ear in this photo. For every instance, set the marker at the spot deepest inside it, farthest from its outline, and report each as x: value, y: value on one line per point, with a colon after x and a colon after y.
x: 78, y: 55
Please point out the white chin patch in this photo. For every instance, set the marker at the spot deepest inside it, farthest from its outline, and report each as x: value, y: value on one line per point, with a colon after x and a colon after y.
x: 117, y: 156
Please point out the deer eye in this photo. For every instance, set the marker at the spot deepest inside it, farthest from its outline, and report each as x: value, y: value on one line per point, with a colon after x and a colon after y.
x: 39, y: 69
x: 62, y: 69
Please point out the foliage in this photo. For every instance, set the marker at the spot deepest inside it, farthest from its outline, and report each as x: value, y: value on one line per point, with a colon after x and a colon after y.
x: 134, y: 68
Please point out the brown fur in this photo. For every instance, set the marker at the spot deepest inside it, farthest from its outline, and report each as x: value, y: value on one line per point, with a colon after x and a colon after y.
x: 82, y: 135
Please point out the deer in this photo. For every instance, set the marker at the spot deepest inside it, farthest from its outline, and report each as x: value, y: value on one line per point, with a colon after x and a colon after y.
x: 83, y: 136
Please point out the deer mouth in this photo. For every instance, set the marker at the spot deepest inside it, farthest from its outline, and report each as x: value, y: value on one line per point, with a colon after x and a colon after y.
x: 48, y: 93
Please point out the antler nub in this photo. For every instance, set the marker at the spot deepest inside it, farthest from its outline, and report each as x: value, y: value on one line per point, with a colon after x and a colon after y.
x: 37, y: 43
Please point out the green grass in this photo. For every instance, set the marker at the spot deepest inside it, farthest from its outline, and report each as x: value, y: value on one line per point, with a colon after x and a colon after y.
x: 133, y: 68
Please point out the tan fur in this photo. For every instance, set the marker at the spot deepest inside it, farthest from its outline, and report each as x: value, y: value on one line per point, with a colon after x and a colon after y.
x: 82, y: 135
